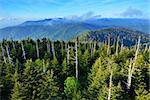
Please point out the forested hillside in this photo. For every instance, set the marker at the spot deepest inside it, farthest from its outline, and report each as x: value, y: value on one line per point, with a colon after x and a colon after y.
x: 65, y: 29
x: 127, y: 36
x: 79, y: 70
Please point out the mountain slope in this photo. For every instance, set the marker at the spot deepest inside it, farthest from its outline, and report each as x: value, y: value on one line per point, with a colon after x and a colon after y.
x: 129, y: 37
x: 65, y: 29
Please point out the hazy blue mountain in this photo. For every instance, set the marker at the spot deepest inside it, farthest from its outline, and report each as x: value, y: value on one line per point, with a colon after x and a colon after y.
x: 63, y: 28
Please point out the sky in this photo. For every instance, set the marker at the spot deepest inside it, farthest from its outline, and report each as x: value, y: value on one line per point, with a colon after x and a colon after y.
x: 16, y: 11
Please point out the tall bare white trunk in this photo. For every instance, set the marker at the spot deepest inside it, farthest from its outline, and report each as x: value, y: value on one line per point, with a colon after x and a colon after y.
x: 121, y: 45
x: 94, y: 47
x: 108, y: 45
x: 37, y: 49
x: 114, y: 42
x: 68, y: 53
x: 3, y: 53
x: 48, y: 47
x: 110, y: 83
x: 76, y: 58
x: 132, y: 66
x: 22, y: 46
x: 129, y: 75
x: 53, y: 49
x: 8, y: 54
x: 14, y: 46
x: 117, y: 45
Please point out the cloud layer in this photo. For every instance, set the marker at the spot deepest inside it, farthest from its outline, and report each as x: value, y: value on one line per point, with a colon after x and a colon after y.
x: 132, y: 12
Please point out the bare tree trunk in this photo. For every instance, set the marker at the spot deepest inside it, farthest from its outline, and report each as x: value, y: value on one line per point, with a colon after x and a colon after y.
x: 53, y: 49
x: 117, y: 46
x: 110, y: 84
x: 121, y: 46
x: 108, y: 45
x: 3, y: 53
x: 8, y: 54
x: 37, y: 49
x: 129, y: 75
x: 48, y: 47
x: 132, y: 66
x: 76, y: 58
x: 68, y: 54
x: 24, y: 55
x: 114, y: 42
x: 94, y: 47
x: 137, y: 50
x: 14, y: 46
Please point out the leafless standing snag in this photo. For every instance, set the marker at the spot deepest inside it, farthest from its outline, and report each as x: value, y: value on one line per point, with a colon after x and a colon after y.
x: 108, y: 45
x: 3, y: 53
x: 8, y: 54
x: 132, y: 66
x: 53, y: 49
x: 37, y: 49
x: 14, y: 46
x: 117, y: 46
x: 110, y: 81
x: 48, y: 47
x: 24, y: 54
x: 75, y: 58
x: 68, y: 53
x: 121, y: 46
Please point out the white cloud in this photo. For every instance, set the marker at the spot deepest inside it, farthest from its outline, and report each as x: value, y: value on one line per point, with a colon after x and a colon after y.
x: 132, y: 12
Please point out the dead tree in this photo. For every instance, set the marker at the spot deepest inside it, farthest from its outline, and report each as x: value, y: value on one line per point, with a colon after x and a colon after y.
x: 94, y: 47
x: 114, y: 42
x: 132, y: 66
x: 110, y: 81
x: 76, y: 58
x: 117, y: 46
x: 3, y: 53
x: 14, y: 46
x: 23, y: 51
x: 53, y: 49
x: 91, y: 49
x: 130, y: 71
x: 37, y: 49
x: 8, y: 55
x: 48, y: 47
x: 68, y: 53
x: 108, y: 45
x: 121, y: 46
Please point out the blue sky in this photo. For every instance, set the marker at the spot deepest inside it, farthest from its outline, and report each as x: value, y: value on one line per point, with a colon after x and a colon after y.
x: 40, y: 9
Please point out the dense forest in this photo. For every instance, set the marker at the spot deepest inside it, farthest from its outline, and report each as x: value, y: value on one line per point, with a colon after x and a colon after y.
x: 73, y: 70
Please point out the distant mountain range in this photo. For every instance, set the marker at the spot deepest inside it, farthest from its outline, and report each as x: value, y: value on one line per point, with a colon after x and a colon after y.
x: 65, y: 29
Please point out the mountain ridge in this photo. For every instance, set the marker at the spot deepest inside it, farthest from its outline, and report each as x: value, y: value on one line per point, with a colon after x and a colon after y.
x: 65, y: 29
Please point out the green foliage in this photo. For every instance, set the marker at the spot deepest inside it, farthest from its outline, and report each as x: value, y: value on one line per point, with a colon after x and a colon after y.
x: 71, y: 87
x: 53, y: 77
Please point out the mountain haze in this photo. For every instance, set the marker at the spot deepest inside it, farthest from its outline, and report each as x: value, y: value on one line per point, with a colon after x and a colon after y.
x: 65, y: 29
